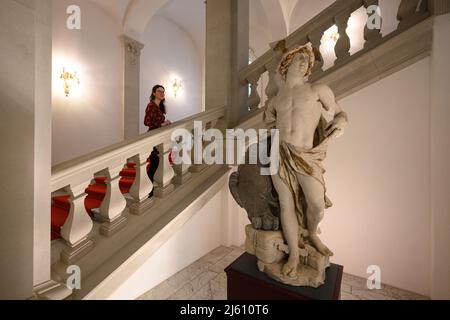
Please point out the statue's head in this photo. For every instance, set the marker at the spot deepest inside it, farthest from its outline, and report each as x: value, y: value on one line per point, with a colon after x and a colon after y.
x: 301, y: 58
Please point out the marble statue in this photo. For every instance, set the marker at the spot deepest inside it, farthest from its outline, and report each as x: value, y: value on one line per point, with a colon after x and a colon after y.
x: 295, y: 254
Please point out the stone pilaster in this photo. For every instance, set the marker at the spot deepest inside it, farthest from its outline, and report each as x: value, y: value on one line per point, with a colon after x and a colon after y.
x: 227, y: 52
x: 25, y: 128
x: 132, y: 55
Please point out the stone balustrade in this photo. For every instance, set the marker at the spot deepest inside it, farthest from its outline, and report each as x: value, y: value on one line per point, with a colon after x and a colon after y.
x: 410, y: 13
x: 73, y: 177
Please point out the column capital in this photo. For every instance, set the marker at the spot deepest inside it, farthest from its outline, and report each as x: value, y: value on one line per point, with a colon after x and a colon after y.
x: 132, y: 65
x: 128, y: 41
x: 133, y: 48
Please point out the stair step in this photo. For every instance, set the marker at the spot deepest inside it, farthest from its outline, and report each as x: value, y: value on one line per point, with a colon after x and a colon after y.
x: 59, y: 217
x: 125, y: 184
x: 92, y: 203
x: 62, y: 202
x: 95, y: 194
x: 129, y: 172
x: 96, y: 191
x: 60, y: 211
x: 99, y: 190
x: 126, y: 181
x: 100, y: 180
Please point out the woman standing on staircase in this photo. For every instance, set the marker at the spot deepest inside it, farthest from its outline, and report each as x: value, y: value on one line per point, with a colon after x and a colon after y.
x: 155, y: 117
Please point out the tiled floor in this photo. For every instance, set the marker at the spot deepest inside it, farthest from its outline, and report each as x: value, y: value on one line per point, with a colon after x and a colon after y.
x: 205, y: 279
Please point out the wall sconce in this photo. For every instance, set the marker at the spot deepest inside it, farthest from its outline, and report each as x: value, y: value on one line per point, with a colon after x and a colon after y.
x: 69, y: 79
x: 177, y: 85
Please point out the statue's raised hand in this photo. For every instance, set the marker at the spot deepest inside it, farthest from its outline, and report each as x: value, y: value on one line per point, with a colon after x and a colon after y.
x: 337, y: 127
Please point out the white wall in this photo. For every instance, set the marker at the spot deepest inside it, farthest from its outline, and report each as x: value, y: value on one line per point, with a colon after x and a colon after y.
x: 200, y: 235
x: 378, y: 177
x: 92, y: 117
x: 440, y: 159
x: 25, y: 137
x: 170, y: 52
x: 43, y: 141
x: 219, y: 222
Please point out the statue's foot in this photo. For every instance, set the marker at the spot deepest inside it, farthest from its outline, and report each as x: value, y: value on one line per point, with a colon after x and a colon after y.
x: 290, y: 267
x: 323, y: 249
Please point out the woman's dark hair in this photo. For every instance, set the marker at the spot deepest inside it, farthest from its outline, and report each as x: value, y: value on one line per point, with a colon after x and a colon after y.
x: 162, y: 105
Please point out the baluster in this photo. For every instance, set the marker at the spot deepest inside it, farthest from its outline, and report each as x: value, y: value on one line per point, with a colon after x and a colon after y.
x: 315, y: 38
x: 182, y: 170
x: 407, y: 11
x: 213, y: 147
x: 342, y: 48
x: 164, y: 174
x: 141, y: 188
x: 113, y: 204
x: 254, y: 100
x: 372, y: 36
x: 272, y: 85
x: 197, y: 150
x: 77, y: 227
x: 213, y: 123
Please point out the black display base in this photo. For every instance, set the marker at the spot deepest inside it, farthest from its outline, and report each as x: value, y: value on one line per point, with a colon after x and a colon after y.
x: 246, y: 282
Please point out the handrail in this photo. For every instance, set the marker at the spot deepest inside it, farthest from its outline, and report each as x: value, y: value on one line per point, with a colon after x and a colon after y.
x: 299, y: 36
x: 84, y: 167
x: 410, y: 13
x: 74, y: 176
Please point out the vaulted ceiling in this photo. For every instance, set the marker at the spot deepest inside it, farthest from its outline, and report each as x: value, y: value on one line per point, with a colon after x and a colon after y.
x: 276, y: 18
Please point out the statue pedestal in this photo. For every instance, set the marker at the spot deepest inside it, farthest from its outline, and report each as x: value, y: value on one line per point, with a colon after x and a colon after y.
x: 246, y: 282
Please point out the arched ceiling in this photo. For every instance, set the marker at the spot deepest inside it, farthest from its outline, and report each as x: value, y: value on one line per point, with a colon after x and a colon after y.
x: 190, y: 15
x: 276, y: 23
x: 132, y: 15
x: 139, y: 15
x: 277, y: 18
x: 305, y: 10
x: 116, y: 8
x: 287, y: 7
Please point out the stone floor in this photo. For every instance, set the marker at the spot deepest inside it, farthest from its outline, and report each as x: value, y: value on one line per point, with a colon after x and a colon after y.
x: 205, y: 279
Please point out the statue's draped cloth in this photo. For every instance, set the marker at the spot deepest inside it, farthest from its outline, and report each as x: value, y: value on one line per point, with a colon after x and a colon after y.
x: 294, y: 160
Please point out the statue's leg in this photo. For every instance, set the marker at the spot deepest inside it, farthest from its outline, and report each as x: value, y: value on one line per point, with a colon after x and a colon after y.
x: 289, y: 224
x: 314, y: 195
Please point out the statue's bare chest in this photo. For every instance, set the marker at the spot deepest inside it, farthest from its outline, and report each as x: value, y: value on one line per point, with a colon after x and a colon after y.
x: 298, y: 101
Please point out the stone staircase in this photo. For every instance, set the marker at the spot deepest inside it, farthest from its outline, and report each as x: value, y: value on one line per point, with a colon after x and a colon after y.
x: 115, y: 179
x: 96, y: 192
